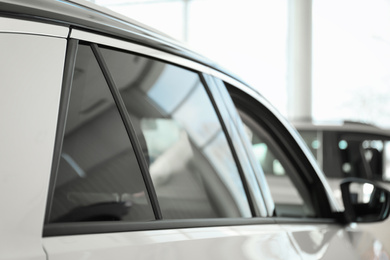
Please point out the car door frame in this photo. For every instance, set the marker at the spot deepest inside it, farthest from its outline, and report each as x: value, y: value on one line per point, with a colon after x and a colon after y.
x: 52, y: 229
x: 145, y: 238
x: 291, y: 142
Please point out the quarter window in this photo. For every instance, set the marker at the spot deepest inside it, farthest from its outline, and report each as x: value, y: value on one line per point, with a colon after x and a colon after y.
x: 99, y: 178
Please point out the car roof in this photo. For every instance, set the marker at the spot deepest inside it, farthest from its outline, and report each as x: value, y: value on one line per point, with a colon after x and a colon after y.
x: 91, y: 17
x: 342, y: 126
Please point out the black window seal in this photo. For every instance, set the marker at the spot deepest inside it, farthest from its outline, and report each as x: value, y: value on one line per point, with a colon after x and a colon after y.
x: 287, y: 143
x: 67, y: 80
x: 130, y: 131
x: 306, y: 221
x: 82, y: 228
x: 231, y: 146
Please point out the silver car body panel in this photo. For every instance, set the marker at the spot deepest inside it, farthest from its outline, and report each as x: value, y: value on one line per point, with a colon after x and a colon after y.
x: 30, y: 27
x: 235, y: 242
x: 29, y: 100
x: 120, y: 44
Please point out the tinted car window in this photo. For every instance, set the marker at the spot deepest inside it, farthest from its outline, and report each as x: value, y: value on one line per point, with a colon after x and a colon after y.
x: 99, y: 177
x: 386, y: 161
x: 189, y: 159
x: 343, y: 154
x: 288, y: 191
x: 365, y: 158
x: 351, y: 154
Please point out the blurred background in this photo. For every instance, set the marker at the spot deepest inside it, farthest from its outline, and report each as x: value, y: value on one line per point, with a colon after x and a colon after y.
x: 343, y: 57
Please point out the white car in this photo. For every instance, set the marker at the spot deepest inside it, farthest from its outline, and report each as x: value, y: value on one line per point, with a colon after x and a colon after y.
x: 118, y: 143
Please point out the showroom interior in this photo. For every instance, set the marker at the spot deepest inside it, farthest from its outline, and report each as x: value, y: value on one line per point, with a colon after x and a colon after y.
x: 251, y: 129
x: 312, y: 59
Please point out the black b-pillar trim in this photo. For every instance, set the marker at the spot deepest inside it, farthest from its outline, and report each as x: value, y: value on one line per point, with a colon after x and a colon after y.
x: 130, y: 131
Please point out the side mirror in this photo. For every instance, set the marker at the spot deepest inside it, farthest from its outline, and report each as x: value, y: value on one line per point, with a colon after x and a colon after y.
x: 364, y: 201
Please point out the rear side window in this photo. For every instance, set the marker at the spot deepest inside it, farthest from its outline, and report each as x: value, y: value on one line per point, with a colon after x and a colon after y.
x: 189, y: 159
x: 142, y: 141
x: 99, y: 178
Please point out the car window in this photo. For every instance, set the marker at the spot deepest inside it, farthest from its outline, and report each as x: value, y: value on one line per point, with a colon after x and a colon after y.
x: 288, y: 191
x: 386, y: 161
x: 189, y: 159
x: 344, y: 155
x: 352, y: 163
x: 373, y: 152
x: 364, y: 157
x: 98, y: 178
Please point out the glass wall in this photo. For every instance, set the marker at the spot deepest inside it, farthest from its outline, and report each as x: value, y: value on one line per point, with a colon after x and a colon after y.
x: 247, y: 37
x: 351, y: 47
x: 351, y: 60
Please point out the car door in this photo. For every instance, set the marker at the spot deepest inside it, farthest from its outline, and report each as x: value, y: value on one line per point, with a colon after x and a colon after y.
x: 303, y: 201
x: 146, y: 165
x: 31, y: 63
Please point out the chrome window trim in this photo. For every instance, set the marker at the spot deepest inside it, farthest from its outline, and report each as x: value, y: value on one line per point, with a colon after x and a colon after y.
x: 11, y: 25
x: 124, y: 45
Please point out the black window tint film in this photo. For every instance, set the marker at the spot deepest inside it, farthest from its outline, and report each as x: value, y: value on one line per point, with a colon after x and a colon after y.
x: 99, y: 177
x: 373, y: 153
x: 190, y: 162
x: 362, y: 157
x: 352, y: 162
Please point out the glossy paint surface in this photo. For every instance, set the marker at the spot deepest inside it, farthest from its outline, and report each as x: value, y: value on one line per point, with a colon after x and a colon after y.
x: 335, y: 242
x: 28, y: 27
x: 239, y: 242
x: 31, y: 76
x: 298, y: 241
